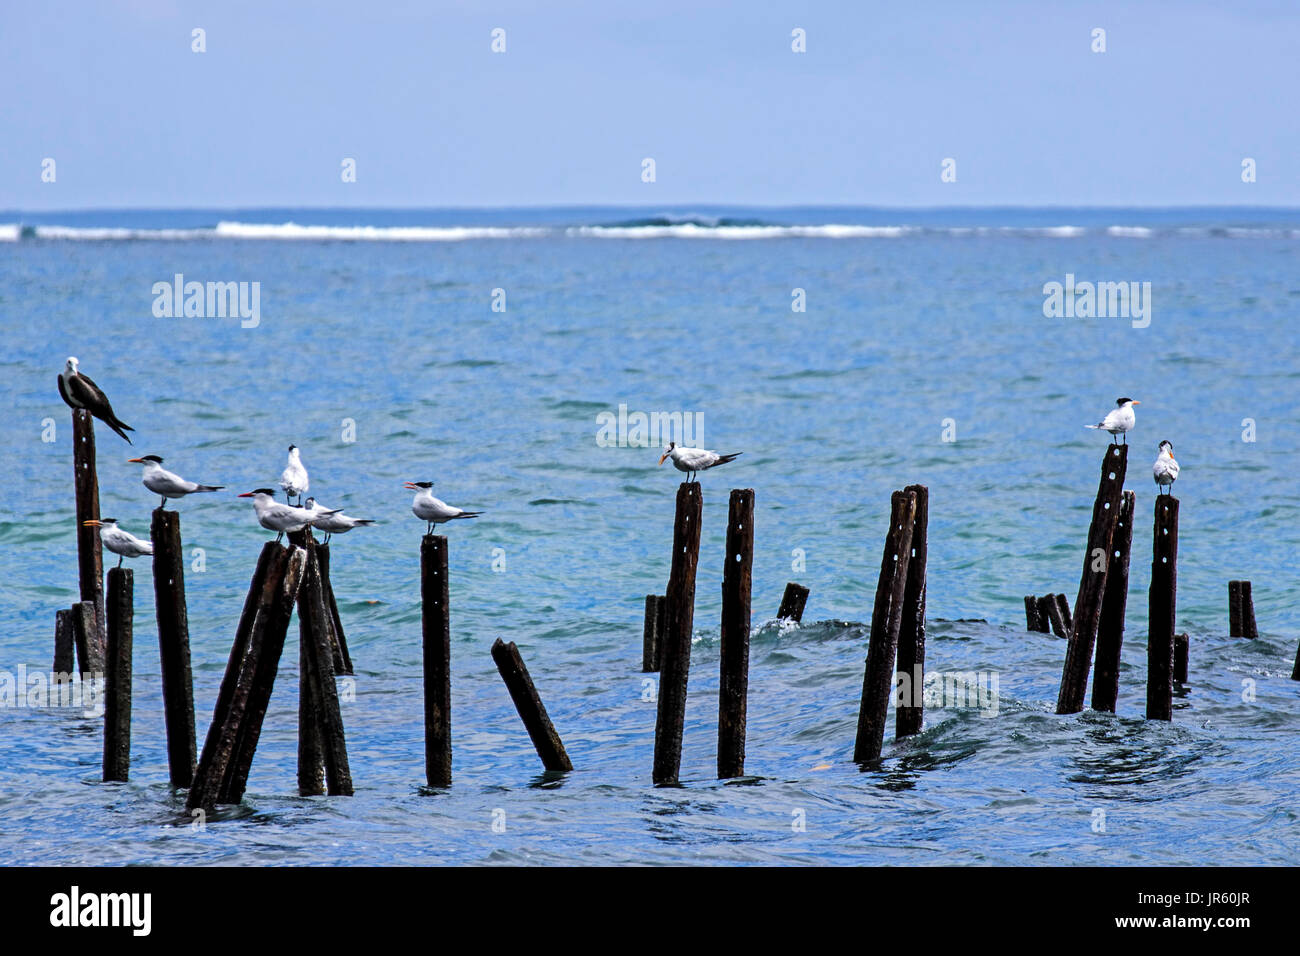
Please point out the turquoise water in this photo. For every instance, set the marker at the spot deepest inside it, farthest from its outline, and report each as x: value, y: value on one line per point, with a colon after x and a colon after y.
x: 918, y: 326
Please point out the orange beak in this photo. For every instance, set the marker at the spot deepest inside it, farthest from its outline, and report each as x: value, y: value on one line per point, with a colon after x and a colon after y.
x: 136, y: 460
x: 663, y: 458
x: 1136, y: 402
x: 410, y: 486
x: 92, y: 523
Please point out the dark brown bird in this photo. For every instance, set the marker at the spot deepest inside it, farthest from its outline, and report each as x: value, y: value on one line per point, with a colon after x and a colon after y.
x: 80, y: 392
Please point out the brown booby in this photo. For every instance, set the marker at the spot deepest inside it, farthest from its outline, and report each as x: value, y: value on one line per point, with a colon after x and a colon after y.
x: 80, y: 392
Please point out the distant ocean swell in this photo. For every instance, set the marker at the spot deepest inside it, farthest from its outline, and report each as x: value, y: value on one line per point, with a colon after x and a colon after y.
x: 652, y: 228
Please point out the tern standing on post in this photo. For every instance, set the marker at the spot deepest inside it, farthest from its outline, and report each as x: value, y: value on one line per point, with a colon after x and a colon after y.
x: 1165, y: 469
x: 122, y: 543
x: 434, y: 510
x: 80, y: 392
x: 333, y: 522
x: 1120, y: 420
x: 693, y: 460
x: 294, y: 477
x: 168, y: 484
x: 277, y: 517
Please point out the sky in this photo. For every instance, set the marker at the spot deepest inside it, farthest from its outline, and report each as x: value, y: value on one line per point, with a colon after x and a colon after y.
x: 1012, y: 92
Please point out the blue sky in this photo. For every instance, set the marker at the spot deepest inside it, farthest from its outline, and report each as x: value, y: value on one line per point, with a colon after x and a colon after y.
x: 585, y: 90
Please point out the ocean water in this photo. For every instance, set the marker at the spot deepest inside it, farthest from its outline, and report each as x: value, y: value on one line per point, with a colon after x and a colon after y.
x: 377, y: 350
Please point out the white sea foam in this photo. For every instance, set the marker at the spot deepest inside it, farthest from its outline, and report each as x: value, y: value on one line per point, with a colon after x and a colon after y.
x: 115, y: 233
x: 1130, y: 232
x: 691, y: 230
x: 293, y: 230
x: 10, y: 232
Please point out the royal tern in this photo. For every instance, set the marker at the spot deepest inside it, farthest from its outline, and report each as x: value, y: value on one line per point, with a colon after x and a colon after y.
x: 333, y: 522
x: 122, y: 543
x: 277, y: 517
x: 294, y: 477
x: 692, y: 460
x: 80, y: 392
x: 1120, y: 419
x: 1165, y: 469
x: 168, y: 484
x: 434, y: 510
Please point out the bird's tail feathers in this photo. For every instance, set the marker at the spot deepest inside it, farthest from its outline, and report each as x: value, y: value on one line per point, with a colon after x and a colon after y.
x: 365, y: 521
x: 468, y: 514
x: 1098, y: 425
x: 723, y: 459
x: 209, y: 487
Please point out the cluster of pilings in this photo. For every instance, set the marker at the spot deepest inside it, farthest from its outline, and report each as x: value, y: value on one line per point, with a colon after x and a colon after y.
x: 97, y: 632
x: 1099, y: 610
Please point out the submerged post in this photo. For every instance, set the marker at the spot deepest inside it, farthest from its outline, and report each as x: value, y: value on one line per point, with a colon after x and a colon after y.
x: 64, y: 646
x: 1181, y: 647
x: 675, y: 654
x: 652, y: 633
x: 792, y: 602
x: 1241, y: 610
x: 1033, y: 621
x: 733, y: 680
x: 174, y: 644
x: 338, y: 643
x: 911, y: 630
x: 886, y: 620
x: 117, y: 689
x: 1063, y: 605
x: 529, y: 705
x: 436, y: 623
x: 1114, y: 603
x: 1092, y: 583
x: 1162, y: 613
x: 1055, y: 618
x: 90, y: 555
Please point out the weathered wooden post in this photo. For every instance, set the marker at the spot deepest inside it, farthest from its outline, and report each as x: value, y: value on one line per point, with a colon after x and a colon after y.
x: 436, y: 622
x: 311, y: 761
x: 261, y: 664
x: 207, y: 782
x: 1092, y: 584
x: 342, y: 659
x: 1181, y: 647
x: 911, y: 631
x: 652, y: 634
x: 1033, y: 620
x: 313, y: 613
x: 529, y: 705
x: 85, y: 634
x: 733, y: 679
x: 174, y: 644
x: 675, y: 654
x: 90, y: 555
x: 117, y: 690
x: 1162, y: 613
x: 792, y: 602
x: 1114, y: 603
x: 886, y: 620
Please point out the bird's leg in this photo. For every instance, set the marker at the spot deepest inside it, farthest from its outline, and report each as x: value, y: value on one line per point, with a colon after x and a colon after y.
x: 164, y: 502
x: 120, y: 558
x: 278, y: 536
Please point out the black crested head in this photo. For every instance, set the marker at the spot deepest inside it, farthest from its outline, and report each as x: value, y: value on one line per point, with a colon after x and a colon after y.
x: 1166, y: 443
x: 108, y: 521
x: 153, y: 458
x: 292, y: 447
x: 423, y: 484
x: 1122, y: 401
x: 264, y: 491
